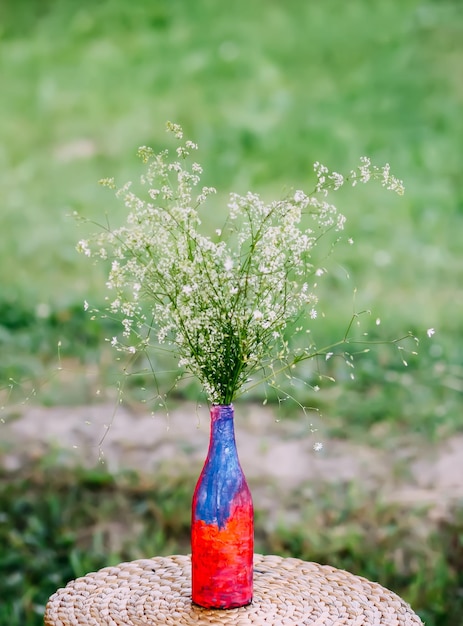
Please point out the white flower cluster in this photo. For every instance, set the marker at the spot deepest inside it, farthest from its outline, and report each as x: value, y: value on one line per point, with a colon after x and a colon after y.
x: 365, y: 172
x: 221, y: 303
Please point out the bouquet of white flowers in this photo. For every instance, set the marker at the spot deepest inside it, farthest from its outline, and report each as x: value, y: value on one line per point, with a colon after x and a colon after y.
x: 221, y: 302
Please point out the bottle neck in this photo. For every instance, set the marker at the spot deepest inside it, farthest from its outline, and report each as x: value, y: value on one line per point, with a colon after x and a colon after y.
x: 222, y: 413
x: 222, y: 428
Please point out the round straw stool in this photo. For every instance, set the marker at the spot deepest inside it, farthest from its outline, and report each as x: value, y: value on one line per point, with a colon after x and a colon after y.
x: 286, y: 591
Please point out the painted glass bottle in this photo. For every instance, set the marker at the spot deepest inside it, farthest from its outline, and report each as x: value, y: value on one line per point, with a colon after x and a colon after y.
x: 222, y: 529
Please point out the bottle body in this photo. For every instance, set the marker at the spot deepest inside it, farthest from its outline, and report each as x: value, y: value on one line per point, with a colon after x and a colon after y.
x: 222, y: 528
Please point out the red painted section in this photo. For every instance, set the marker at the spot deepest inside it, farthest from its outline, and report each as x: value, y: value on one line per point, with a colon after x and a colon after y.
x: 223, y: 570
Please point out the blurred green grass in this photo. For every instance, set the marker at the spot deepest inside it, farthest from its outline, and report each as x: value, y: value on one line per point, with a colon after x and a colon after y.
x: 266, y: 89
x: 62, y: 525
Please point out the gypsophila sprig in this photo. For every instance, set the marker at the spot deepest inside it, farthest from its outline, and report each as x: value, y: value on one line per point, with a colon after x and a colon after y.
x: 221, y: 303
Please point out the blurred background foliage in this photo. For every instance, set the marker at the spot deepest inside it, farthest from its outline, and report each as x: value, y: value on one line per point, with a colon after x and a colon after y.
x: 265, y: 88
x: 57, y: 526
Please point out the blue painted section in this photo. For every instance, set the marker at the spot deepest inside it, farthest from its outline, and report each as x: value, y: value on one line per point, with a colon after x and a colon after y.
x: 221, y: 479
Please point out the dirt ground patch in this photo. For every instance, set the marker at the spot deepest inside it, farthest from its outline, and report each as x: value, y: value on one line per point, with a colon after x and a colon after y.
x: 278, y: 457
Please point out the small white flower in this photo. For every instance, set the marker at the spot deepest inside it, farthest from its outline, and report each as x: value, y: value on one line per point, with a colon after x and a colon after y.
x: 228, y: 265
x: 430, y: 332
x: 338, y: 180
x: 187, y: 289
x: 114, y: 341
x: 167, y: 192
x: 176, y: 129
x: 313, y: 314
x: 82, y: 246
x: 317, y: 446
x: 85, y: 305
x: 257, y: 315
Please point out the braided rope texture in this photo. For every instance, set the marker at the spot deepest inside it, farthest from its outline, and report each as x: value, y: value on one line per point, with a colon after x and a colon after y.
x: 151, y: 592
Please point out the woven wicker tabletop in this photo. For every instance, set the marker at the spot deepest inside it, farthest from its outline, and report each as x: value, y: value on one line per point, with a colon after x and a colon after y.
x: 286, y: 591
